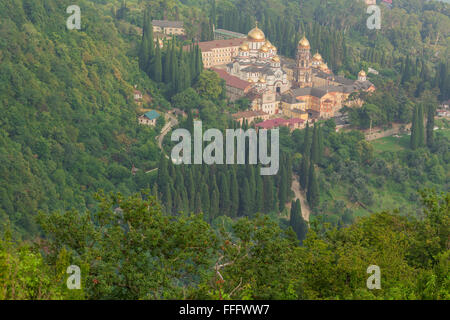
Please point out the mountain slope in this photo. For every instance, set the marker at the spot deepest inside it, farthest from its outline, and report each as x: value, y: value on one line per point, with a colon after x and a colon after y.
x: 68, y: 125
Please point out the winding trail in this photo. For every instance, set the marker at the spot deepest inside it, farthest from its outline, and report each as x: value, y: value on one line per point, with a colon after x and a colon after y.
x: 299, y: 194
x: 164, y: 131
x: 167, y: 127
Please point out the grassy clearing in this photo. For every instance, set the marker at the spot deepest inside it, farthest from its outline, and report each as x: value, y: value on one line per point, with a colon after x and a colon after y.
x: 445, y: 132
x: 391, y: 143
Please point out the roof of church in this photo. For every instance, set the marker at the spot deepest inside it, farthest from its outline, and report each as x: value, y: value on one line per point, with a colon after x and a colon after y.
x: 343, y: 80
x: 265, y: 69
x: 232, y: 81
x: 273, y: 123
x: 248, y: 114
x: 362, y: 85
x: 290, y: 98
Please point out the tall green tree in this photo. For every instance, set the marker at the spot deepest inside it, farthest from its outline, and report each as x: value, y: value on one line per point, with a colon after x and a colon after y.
x: 268, y: 194
x: 315, y: 146
x: 157, y: 64
x: 304, y: 172
x: 312, y: 194
x: 206, y: 201
x: 234, y: 191
x: 296, y: 220
x: 259, y: 194
x: 420, y: 127
x: 414, y: 140
x: 430, y: 125
x: 245, y: 199
x: 224, y: 190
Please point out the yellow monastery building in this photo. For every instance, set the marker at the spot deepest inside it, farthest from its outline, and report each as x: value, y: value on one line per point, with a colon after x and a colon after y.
x: 304, y: 89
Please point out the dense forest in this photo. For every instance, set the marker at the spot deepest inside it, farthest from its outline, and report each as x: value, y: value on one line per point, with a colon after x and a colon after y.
x: 81, y: 182
x: 184, y: 257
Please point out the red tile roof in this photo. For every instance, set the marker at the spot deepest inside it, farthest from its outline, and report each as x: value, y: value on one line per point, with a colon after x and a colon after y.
x: 232, y: 81
x: 273, y: 123
x: 249, y: 113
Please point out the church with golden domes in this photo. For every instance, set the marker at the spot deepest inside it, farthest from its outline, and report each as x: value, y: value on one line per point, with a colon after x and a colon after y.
x: 257, y: 61
x: 306, y: 88
x: 315, y: 89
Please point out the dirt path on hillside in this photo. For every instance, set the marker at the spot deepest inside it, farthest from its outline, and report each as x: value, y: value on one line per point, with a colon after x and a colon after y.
x: 299, y: 194
x: 167, y: 127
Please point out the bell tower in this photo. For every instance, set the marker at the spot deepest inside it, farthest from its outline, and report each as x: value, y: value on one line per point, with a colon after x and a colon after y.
x: 303, y: 70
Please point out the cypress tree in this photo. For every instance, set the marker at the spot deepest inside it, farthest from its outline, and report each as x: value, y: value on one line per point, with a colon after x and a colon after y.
x: 282, y: 189
x: 214, y: 211
x: 293, y: 216
x: 198, y: 61
x: 234, y: 191
x: 224, y: 190
x: 315, y: 146
x: 420, y: 127
x: 167, y: 198
x: 145, y: 48
x: 320, y: 143
x: 306, y: 142
x: 304, y: 168
x: 163, y: 175
x: 430, y: 126
x: 179, y: 180
x: 175, y: 74
x: 414, y: 141
x: 167, y: 65
x: 155, y: 192
x: 177, y: 203
x: 198, y: 203
x: 149, y: 44
x: 268, y: 194
x: 245, y: 202
x: 190, y: 187
x: 304, y: 172
x: 259, y: 194
x: 251, y: 185
x: 301, y: 228
x: 312, y: 193
x: 157, y: 64
x: 289, y: 174
x: 206, y: 202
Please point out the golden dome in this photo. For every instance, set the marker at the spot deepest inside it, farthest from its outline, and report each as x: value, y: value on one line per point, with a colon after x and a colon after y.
x: 256, y: 34
x: 250, y: 80
x: 362, y: 73
x: 244, y: 47
x: 323, y: 66
x: 276, y: 59
x: 304, y: 43
x: 264, y: 48
x: 262, y: 80
x: 269, y: 45
x: 317, y: 57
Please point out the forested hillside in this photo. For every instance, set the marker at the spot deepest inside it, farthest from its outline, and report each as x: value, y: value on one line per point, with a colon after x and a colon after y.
x: 68, y: 125
x: 139, y: 252
x: 81, y: 182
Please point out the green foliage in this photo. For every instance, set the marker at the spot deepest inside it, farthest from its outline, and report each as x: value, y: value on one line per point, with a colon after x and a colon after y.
x: 69, y: 124
x: 229, y: 190
x: 132, y: 249
x: 24, y: 275
x: 209, y: 85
